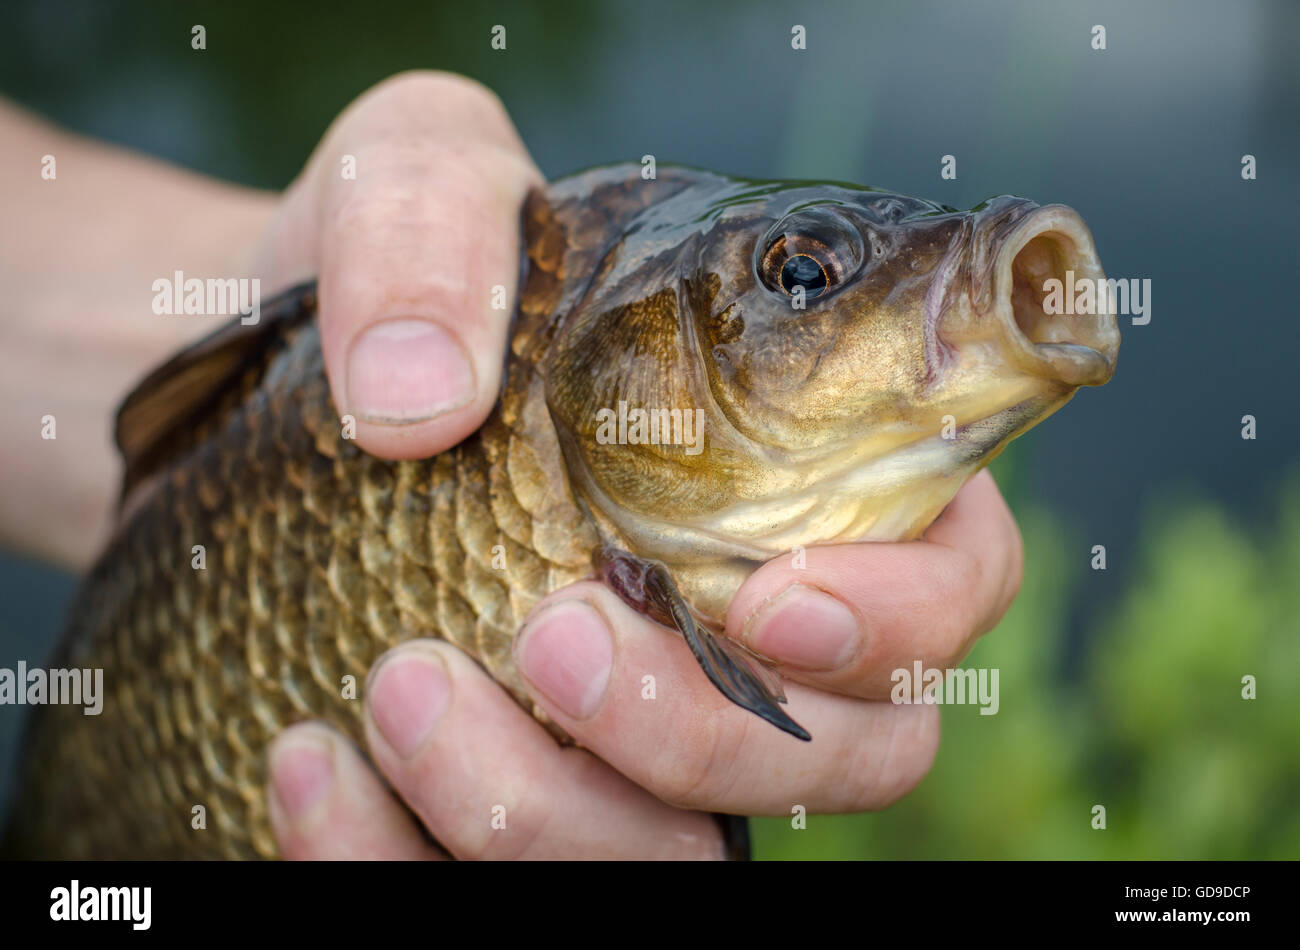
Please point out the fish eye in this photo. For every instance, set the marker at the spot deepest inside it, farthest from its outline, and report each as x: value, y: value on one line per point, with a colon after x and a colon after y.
x: 804, y: 270
x: 798, y: 260
x: 815, y: 249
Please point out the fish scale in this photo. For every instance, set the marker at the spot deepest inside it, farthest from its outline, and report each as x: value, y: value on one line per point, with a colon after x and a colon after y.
x: 318, y: 559
x: 203, y: 667
x: 823, y: 427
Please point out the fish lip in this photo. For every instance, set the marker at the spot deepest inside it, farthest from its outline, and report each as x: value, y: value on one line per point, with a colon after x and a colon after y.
x: 1074, y: 349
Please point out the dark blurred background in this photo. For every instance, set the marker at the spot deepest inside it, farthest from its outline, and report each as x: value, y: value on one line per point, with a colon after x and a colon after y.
x: 1119, y: 687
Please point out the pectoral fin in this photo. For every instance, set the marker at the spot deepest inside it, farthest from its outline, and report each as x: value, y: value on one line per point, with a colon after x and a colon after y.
x: 164, y: 416
x: 736, y: 672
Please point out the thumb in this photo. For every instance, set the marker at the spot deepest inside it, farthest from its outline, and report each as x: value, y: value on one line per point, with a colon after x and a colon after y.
x: 417, y: 257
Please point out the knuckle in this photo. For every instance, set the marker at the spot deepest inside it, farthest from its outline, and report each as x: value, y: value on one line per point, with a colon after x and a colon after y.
x: 1015, y: 575
x: 429, y: 105
x: 375, y: 207
x: 963, y: 611
x: 421, y: 86
x: 877, y: 781
x: 397, y: 201
x: 523, y: 841
x: 466, y: 821
x: 698, y: 774
x: 967, y: 577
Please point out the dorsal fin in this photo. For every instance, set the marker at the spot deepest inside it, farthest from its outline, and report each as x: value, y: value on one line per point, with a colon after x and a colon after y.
x: 158, y: 420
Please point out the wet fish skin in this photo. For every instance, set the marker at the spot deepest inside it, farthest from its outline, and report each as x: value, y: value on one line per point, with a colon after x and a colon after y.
x: 821, y: 425
x: 318, y: 559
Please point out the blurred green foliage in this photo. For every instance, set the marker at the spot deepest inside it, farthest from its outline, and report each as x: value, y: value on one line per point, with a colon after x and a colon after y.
x: 1154, y: 725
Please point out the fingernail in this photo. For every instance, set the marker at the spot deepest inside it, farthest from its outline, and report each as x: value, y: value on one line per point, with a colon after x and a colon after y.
x: 406, y: 371
x: 408, y: 693
x: 567, y: 652
x: 804, y: 627
x: 302, y: 771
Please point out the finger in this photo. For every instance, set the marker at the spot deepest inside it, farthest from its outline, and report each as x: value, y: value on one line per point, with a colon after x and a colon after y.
x: 630, y: 691
x: 326, y: 803
x: 490, y: 783
x: 419, y: 260
x: 849, y: 615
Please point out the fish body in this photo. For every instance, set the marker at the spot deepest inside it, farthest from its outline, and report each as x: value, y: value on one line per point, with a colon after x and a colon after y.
x: 816, y: 364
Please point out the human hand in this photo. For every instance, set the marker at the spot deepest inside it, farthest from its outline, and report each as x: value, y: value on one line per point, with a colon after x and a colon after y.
x: 484, y: 777
x: 838, y: 627
x: 406, y: 254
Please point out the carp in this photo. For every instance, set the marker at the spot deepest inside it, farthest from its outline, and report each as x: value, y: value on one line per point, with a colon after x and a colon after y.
x: 704, y: 373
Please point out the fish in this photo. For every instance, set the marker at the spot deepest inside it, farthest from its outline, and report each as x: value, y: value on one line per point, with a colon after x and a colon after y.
x: 704, y: 373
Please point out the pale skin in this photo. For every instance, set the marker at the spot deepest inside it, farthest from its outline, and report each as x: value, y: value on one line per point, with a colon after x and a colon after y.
x: 412, y: 247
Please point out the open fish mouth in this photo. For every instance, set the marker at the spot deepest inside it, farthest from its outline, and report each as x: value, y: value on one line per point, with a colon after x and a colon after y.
x: 1047, y: 337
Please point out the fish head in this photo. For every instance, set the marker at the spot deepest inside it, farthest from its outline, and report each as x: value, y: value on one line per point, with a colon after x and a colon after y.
x: 851, y: 357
